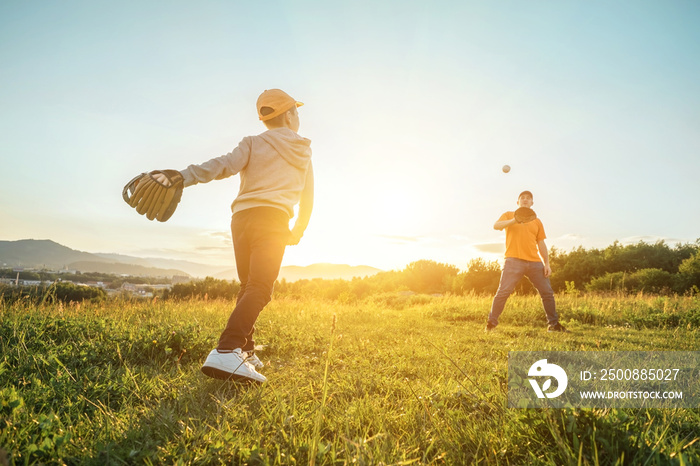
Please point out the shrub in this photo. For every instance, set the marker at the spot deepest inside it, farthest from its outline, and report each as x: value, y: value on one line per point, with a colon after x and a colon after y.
x: 689, y: 273
x: 64, y: 292
x: 426, y: 276
x: 480, y: 278
x: 211, y: 288
x: 644, y: 280
x: 70, y: 292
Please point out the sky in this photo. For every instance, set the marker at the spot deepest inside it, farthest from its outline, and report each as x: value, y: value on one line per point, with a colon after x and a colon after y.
x: 412, y: 109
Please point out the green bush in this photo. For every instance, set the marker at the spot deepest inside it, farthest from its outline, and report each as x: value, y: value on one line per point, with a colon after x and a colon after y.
x: 64, y: 292
x: 481, y: 278
x: 426, y: 276
x: 644, y: 280
x: 70, y: 292
x: 598, y: 267
x: 689, y: 273
x: 210, y: 288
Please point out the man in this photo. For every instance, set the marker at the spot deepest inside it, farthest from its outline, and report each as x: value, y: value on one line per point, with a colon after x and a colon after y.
x: 526, y: 255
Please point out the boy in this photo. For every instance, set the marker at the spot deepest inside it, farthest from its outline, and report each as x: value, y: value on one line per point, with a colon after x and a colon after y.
x: 276, y: 174
x: 523, y: 241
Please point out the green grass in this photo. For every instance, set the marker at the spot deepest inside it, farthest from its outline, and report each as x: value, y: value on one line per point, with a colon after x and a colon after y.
x: 410, y: 380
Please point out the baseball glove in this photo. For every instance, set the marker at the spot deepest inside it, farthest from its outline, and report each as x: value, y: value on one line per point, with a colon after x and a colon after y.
x: 152, y: 198
x: 524, y: 215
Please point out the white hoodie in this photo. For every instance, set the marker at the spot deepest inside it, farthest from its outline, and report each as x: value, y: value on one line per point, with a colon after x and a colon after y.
x: 273, y: 167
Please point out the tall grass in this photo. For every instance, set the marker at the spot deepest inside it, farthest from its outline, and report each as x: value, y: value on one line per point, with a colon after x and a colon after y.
x: 400, y: 380
x: 315, y: 439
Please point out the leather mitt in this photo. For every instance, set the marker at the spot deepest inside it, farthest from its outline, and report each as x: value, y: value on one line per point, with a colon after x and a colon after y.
x: 153, y: 199
x: 524, y: 215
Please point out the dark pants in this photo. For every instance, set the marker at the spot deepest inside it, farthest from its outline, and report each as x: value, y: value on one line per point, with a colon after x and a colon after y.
x: 515, y: 269
x: 260, y: 236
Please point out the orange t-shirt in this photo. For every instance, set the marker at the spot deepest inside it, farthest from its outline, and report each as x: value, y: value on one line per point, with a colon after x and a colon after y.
x: 522, y: 238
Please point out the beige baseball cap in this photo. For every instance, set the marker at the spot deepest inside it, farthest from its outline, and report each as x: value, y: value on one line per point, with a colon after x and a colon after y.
x: 274, y: 102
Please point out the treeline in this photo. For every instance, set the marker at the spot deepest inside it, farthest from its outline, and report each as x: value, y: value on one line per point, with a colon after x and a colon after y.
x: 424, y: 276
x: 642, y: 267
x: 209, y: 288
x: 112, y: 281
x: 65, y: 292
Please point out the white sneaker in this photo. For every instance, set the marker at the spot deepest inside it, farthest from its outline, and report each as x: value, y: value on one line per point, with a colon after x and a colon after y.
x: 252, y: 359
x: 231, y: 365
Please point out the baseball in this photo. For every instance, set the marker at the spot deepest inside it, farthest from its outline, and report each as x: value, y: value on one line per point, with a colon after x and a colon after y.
x: 506, y: 168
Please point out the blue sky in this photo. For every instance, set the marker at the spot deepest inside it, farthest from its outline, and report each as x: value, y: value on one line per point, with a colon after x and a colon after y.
x: 412, y: 108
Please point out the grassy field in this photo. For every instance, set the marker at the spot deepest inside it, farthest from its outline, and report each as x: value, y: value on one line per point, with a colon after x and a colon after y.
x: 387, y: 380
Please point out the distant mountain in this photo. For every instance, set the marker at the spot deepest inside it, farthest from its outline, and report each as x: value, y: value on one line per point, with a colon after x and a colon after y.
x: 42, y: 253
x: 47, y: 254
x: 192, y: 269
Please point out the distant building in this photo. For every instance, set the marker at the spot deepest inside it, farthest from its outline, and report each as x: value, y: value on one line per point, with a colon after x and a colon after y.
x: 97, y: 285
x: 30, y: 282
x: 144, y: 290
x: 126, y: 286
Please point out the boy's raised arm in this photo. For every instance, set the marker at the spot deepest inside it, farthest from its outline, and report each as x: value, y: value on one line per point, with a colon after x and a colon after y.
x: 218, y: 168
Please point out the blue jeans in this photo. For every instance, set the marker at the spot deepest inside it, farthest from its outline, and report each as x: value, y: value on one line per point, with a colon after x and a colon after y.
x: 513, y: 270
x: 260, y: 237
